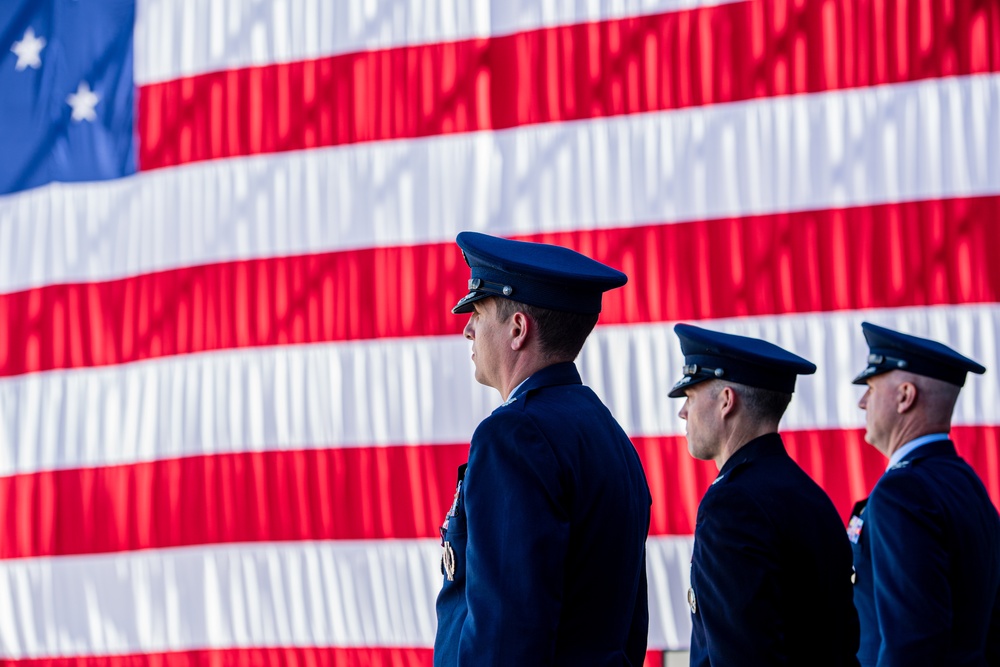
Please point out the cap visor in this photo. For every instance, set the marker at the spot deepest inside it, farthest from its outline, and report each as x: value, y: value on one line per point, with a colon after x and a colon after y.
x: 465, y: 305
x: 681, y: 386
x: 863, y: 376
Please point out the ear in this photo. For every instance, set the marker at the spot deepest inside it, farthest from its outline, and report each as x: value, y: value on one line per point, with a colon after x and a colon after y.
x: 520, y: 326
x: 727, y: 399
x: 906, y: 397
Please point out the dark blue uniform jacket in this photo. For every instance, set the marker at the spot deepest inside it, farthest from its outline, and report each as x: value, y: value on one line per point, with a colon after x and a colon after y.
x: 927, y: 555
x: 771, y: 569
x: 548, y: 533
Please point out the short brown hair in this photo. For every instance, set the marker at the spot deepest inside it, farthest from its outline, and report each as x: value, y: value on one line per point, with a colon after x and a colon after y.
x: 561, y: 335
x: 764, y: 404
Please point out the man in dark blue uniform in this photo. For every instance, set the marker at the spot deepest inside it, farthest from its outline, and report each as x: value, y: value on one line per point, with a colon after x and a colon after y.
x: 544, y: 545
x: 927, y: 540
x: 771, y: 568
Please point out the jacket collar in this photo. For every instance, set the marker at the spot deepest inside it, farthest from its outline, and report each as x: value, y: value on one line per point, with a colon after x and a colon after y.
x: 550, y: 376
x: 936, y: 448
x: 768, y: 444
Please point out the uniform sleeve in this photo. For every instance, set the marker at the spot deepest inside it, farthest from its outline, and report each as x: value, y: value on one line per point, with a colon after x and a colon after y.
x: 993, y: 638
x: 909, y: 572
x: 638, y: 632
x: 517, y: 542
x: 736, y: 578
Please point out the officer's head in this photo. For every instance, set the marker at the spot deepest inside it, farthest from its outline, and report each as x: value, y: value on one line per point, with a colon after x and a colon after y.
x: 530, y: 304
x: 913, y: 384
x: 735, y: 389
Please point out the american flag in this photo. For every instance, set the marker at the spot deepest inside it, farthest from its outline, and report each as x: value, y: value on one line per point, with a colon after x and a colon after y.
x: 232, y: 395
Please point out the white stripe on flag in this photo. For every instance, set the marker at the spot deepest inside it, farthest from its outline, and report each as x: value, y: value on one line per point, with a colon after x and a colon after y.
x: 176, y: 38
x: 422, y: 391
x: 345, y: 594
x: 373, y: 593
x: 933, y: 139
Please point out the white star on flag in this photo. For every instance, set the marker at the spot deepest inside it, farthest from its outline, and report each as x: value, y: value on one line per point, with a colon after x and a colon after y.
x: 28, y: 51
x: 83, y: 102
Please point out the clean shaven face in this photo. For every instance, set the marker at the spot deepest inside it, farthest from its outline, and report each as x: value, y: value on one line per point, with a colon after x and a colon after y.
x: 703, y: 422
x: 879, y: 404
x: 489, y: 342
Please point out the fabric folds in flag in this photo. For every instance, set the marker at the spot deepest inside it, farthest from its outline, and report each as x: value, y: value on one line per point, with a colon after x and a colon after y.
x: 232, y: 394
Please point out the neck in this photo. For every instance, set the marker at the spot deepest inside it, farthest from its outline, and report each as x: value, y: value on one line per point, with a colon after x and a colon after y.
x: 739, y: 435
x: 524, y: 366
x: 909, y: 431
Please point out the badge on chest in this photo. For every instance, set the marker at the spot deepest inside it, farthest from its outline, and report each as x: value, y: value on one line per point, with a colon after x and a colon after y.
x: 857, y: 522
x: 448, y: 561
x: 854, y: 529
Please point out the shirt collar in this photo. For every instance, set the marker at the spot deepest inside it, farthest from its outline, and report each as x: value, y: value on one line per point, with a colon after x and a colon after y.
x: 513, y: 394
x: 562, y: 373
x: 898, y: 455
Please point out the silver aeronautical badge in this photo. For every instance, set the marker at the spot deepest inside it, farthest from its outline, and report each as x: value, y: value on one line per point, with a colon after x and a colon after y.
x: 692, y: 602
x: 448, y: 560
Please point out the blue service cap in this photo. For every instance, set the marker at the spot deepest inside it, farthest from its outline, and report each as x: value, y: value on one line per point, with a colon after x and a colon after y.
x: 712, y: 355
x: 538, y: 274
x: 891, y: 350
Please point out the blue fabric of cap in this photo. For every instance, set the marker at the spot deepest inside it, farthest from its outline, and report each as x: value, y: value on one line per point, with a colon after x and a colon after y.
x: 892, y: 350
x: 538, y: 274
x: 713, y: 355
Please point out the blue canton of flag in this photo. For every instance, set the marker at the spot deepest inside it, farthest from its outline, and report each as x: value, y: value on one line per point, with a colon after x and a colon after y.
x: 67, y: 99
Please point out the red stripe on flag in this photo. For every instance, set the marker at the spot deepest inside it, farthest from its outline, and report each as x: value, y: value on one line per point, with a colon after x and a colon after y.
x: 343, y: 493
x: 364, y: 493
x: 895, y: 255
x: 263, y: 657
x: 839, y: 460
x: 246, y: 657
x: 712, y: 55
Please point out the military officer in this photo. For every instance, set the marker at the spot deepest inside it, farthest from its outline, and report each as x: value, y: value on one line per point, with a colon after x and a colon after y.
x: 771, y: 567
x: 927, y: 540
x: 544, y: 545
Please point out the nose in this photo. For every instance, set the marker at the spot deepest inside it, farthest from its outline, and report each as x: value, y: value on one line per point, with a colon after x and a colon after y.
x: 863, y: 403
x: 683, y: 414
x: 469, y: 331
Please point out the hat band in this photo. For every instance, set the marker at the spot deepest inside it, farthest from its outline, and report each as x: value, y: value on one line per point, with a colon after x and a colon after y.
x: 879, y: 363
x: 535, y: 291
x: 886, y: 362
x: 740, y: 371
x: 694, y: 370
x: 480, y: 285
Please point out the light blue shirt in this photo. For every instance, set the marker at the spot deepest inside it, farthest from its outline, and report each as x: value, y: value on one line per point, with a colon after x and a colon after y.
x: 898, y: 455
x: 513, y: 393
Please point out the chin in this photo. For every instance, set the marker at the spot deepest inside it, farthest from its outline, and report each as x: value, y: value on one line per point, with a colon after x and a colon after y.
x: 482, y: 380
x: 695, y: 454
